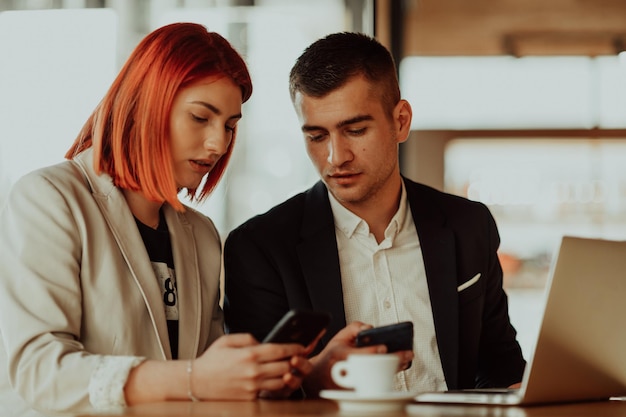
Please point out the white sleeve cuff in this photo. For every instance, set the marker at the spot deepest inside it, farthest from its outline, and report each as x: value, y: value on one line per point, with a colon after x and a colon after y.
x: 106, y: 386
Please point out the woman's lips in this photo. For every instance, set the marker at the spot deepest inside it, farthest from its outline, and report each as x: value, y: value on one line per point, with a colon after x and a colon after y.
x: 201, y: 166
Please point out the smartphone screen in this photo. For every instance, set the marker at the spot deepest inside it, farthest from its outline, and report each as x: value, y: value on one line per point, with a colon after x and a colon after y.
x: 298, y: 326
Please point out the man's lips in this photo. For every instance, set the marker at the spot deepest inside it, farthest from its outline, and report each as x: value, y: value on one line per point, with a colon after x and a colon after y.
x: 343, y: 177
x: 339, y: 174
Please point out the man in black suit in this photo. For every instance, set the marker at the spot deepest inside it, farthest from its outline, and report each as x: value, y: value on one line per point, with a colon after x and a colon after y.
x: 368, y: 245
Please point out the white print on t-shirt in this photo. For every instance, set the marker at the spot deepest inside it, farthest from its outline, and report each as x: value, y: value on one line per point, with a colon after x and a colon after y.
x: 166, y: 278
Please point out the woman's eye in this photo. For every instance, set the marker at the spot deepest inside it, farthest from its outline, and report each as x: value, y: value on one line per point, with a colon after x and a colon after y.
x: 198, y: 118
x: 230, y: 129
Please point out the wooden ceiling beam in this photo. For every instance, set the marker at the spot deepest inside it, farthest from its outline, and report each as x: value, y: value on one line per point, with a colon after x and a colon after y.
x: 493, y: 27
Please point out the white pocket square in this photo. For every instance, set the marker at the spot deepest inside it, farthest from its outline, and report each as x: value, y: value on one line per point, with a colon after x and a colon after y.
x: 468, y: 283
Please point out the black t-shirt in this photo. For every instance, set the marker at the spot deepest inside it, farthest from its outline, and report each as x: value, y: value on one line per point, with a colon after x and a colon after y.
x: 159, y: 247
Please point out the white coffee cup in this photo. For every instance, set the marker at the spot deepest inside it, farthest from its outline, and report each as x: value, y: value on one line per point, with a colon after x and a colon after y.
x: 367, y: 374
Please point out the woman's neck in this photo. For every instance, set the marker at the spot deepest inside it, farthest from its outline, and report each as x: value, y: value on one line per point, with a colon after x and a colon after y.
x: 144, y: 210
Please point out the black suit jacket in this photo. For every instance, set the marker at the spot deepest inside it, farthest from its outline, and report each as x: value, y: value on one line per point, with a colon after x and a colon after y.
x: 287, y: 259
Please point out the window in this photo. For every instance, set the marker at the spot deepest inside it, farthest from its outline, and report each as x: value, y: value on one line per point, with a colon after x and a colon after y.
x: 57, y: 64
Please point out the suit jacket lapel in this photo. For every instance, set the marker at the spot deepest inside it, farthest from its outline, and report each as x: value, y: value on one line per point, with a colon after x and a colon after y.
x: 438, y: 250
x: 319, y: 258
x: 117, y: 214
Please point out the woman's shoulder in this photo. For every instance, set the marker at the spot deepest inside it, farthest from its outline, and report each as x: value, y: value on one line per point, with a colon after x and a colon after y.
x: 61, y: 175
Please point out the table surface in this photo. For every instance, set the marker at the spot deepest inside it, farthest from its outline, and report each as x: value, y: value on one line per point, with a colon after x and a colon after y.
x: 305, y: 408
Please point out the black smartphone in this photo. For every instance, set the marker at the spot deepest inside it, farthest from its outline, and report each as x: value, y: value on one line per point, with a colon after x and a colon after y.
x: 397, y: 336
x: 298, y: 326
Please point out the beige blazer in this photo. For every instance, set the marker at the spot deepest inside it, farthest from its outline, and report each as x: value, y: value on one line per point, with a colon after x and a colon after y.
x: 76, y: 283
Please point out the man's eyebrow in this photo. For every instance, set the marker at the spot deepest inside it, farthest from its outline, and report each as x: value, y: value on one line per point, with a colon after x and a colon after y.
x: 309, y: 128
x: 214, y: 109
x: 355, y: 119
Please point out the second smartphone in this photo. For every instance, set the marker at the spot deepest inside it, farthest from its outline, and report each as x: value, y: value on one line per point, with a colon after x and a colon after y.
x: 397, y: 336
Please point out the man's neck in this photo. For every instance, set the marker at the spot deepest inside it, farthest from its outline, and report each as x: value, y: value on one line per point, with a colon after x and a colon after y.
x: 379, y: 210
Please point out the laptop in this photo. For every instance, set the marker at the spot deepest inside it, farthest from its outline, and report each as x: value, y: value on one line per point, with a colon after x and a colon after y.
x: 580, y: 352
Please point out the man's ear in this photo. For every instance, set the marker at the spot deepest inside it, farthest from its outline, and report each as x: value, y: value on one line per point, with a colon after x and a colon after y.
x: 402, y: 115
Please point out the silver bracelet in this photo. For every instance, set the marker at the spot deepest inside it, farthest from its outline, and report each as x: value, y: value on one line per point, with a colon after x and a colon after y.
x: 189, y: 390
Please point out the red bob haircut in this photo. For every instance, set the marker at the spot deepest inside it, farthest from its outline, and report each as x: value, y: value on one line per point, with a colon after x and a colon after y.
x: 130, y: 130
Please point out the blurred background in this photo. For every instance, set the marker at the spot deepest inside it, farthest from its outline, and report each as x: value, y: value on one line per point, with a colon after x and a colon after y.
x: 519, y: 104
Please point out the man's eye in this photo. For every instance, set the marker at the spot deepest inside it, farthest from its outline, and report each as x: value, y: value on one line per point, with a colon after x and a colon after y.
x: 315, y: 138
x: 357, y: 132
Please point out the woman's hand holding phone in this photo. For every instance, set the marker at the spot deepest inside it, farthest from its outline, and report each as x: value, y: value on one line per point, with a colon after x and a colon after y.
x: 301, y: 327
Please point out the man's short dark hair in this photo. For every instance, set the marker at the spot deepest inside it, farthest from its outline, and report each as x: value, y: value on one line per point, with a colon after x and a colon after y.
x: 328, y: 64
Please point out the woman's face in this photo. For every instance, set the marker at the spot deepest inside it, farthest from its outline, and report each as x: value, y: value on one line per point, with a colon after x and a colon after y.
x: 202, y: 123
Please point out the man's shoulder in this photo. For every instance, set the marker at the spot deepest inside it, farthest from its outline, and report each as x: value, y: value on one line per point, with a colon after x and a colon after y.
x: 419, y: 191
x: 285, y: 216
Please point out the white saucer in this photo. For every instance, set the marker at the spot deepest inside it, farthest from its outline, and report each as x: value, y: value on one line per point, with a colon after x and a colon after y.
x: 352, y: 402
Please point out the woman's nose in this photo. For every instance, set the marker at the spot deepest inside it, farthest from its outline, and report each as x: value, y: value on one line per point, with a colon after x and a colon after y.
x: 218, y: 142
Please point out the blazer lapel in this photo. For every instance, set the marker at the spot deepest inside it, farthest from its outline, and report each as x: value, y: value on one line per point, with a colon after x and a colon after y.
x: 187, y: 282
x: 118, y: 216
x: 319, y: 258
x: 438, y: 250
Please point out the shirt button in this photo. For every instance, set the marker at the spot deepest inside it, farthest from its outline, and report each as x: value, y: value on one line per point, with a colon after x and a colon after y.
x: 387, y: 304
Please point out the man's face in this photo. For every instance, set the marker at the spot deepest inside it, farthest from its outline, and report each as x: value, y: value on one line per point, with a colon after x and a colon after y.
x: 353, y: 142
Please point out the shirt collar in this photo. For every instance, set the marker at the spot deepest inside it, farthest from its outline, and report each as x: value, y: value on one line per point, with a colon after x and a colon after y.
x: 349, y: 223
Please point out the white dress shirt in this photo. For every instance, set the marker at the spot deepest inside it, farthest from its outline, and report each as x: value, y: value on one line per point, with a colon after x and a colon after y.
x: 386, y: 283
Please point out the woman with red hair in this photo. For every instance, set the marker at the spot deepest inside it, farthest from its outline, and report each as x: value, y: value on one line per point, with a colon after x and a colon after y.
x: 109, y: 285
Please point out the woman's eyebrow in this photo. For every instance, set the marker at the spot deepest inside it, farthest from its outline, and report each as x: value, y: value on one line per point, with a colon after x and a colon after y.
x: 215, y: 109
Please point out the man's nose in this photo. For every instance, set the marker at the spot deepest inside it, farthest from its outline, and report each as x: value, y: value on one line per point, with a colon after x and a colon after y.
x: 338, y: 151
